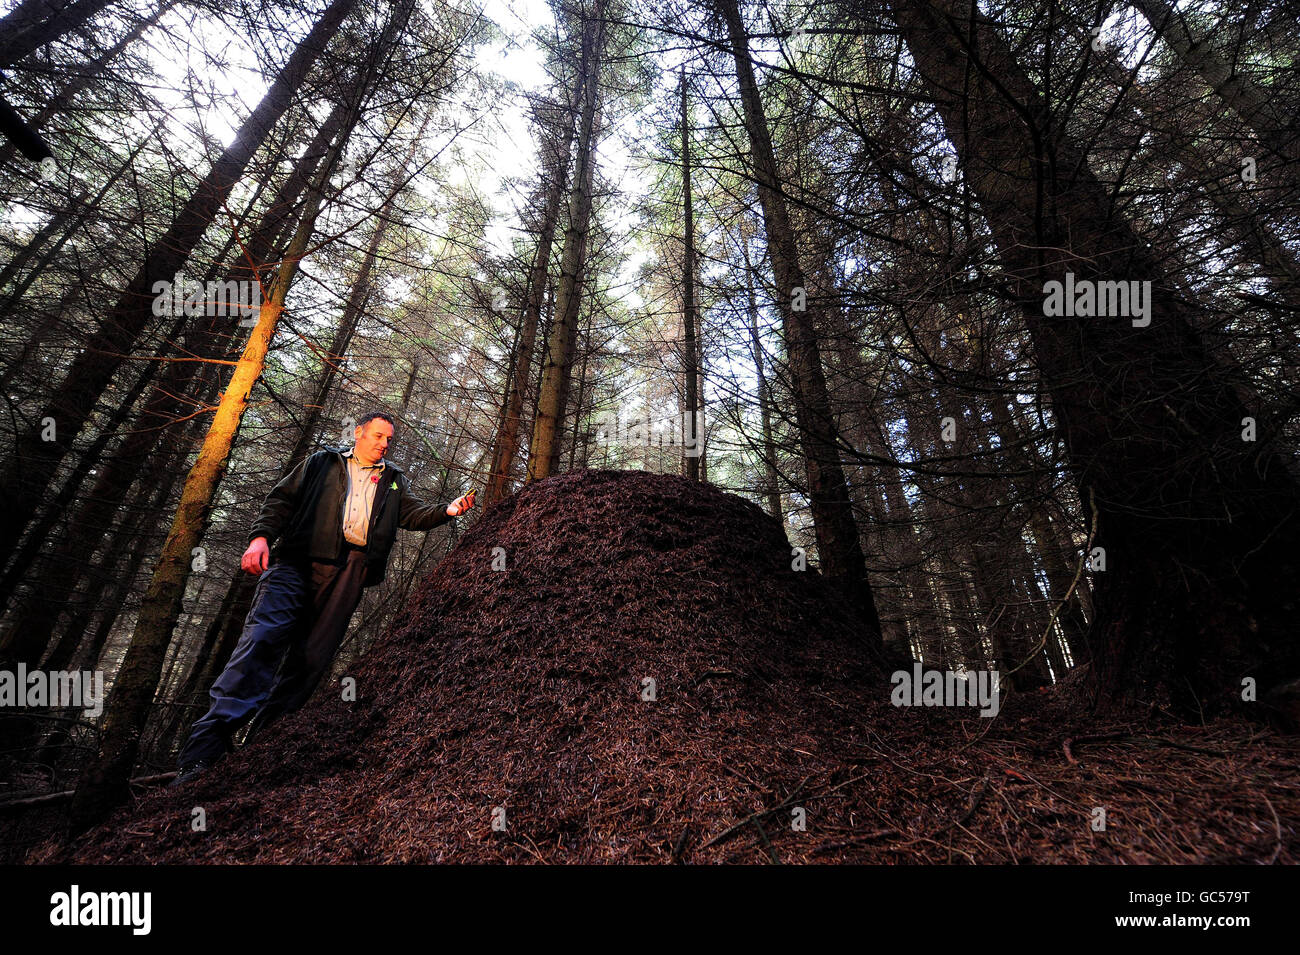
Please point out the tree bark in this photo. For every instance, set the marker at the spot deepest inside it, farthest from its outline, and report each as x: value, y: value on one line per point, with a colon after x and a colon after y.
x: 689, y: 351
x: 1199, y: 527
x: 557, y: 368
x: 1276, y: 132
x: 506, y: 446
x: 35, y: 461
x: 86, y: 75
x: 838, y: 545
x: 773, y: 487
x: 34, y: 23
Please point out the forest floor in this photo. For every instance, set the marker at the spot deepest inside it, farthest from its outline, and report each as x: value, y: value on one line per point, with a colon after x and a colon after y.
x: 507, y: 717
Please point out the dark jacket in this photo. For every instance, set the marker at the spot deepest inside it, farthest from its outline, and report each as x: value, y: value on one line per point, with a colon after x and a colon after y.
x: 304, y: 513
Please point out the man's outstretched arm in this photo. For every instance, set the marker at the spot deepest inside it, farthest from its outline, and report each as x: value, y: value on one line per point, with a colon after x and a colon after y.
x: 415, y: 515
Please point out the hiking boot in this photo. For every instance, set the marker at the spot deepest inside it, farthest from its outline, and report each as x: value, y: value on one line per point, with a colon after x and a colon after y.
x: 189, y: 772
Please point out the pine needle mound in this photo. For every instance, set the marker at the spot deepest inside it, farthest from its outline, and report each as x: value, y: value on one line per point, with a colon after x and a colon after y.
x: 517, y: 695
x: 503, y: 719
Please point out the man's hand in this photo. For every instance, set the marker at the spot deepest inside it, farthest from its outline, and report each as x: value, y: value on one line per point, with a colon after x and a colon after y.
x: 462, y: 504
x: 256, y: 557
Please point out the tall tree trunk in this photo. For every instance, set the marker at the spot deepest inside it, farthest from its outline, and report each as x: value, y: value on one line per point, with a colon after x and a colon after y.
x: 557, y: 369
x: 87, y: 74
x: 25, y: 643
x: 1199, y: 526
x: 506, y: 446
x: 773, y: 487
x: 838, y: 545
x: 34, y: 23
x: 582, y: 395
x: 1059, y: 573
x: 1278, y: 133
x: 67, y: 221
x: 701, y: 375
x: 689, y: 351
x: 82, y: 646
x: 35, y: 462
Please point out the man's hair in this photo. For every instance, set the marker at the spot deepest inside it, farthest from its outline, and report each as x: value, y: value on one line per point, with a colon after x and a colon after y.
x: 371, y: 416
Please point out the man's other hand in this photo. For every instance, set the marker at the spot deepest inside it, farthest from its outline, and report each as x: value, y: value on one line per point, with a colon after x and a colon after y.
x: 256, y: 557
x: 462, y: 504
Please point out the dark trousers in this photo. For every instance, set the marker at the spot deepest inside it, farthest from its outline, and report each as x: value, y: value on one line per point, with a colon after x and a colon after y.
x: 298, y: 619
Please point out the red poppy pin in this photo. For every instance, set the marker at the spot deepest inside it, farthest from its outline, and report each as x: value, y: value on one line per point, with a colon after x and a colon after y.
x: 374, y: 479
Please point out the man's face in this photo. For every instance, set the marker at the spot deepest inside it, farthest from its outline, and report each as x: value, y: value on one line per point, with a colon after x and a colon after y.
x: 372, y: 440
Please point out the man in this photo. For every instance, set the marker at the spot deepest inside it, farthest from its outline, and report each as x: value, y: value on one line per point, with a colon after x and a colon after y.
x: 335, y: 516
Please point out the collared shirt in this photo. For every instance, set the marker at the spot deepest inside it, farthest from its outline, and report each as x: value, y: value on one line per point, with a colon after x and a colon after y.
x: 362, y: 483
